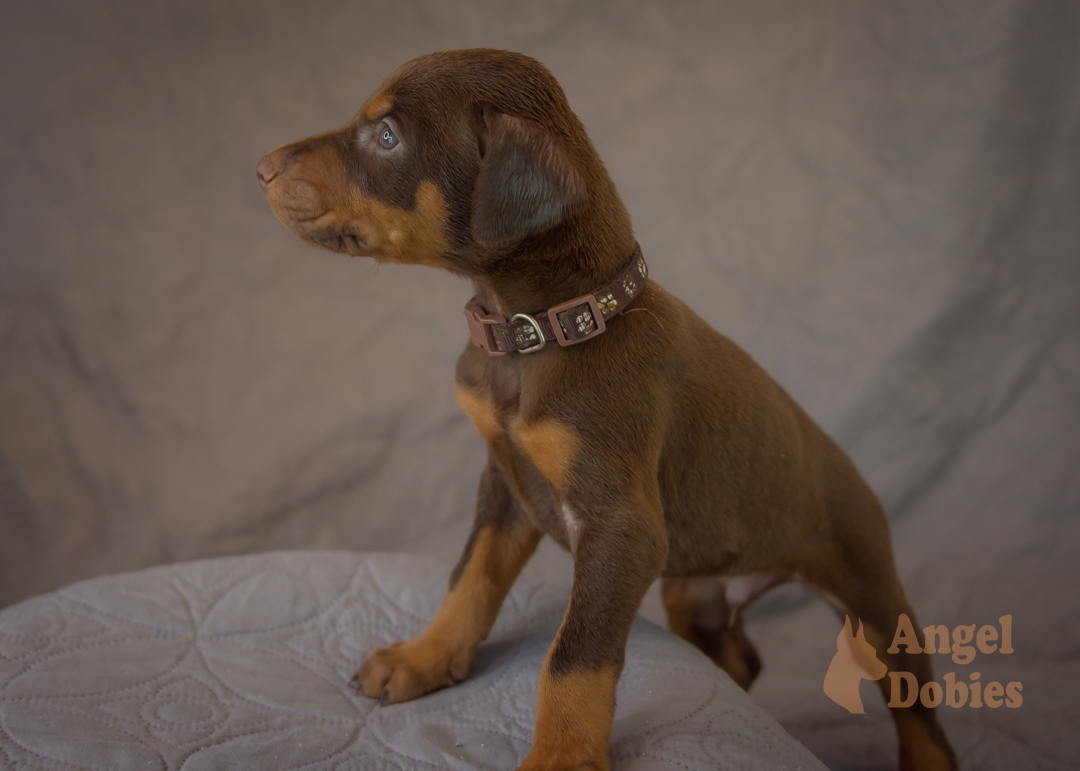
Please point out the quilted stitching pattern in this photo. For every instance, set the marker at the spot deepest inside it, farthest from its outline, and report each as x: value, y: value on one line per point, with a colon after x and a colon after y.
x: 244, y: 663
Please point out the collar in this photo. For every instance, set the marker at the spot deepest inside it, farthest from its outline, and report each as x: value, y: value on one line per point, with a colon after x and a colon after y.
x: 568, y: 323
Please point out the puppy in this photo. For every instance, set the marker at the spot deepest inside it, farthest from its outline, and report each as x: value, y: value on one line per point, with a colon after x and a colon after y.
x: 616, y: 420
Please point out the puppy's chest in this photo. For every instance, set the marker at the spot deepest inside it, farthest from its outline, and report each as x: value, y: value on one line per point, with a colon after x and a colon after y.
x: 535, y: 452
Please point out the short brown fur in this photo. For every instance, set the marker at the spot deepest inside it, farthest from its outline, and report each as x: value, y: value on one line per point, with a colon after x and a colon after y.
x: 659, y: 448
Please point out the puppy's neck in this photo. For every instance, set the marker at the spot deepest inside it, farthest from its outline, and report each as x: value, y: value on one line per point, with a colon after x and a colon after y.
x: 570, y: 261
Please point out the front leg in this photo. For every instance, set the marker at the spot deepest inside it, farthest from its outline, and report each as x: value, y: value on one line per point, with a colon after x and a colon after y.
x: 500, y: 544
x: 618, y: 552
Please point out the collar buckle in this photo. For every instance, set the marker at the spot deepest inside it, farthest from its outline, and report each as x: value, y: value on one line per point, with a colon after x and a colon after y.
x: 568, y: 323
x: 480, y: 328
x: 579, y: 320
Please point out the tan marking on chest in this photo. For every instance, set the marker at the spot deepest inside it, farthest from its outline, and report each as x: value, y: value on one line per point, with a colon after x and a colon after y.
x: 481, y: 411
x: 551, y: 446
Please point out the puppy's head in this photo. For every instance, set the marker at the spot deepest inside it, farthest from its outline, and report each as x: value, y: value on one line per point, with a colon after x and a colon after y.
x: 455, y: 158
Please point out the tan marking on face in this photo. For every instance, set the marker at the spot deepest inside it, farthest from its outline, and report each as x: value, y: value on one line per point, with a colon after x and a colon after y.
x: 314, y: 198
x: 379, y: 106
x: 308, y: 189
x: 415, y: 237
x: 573, y: 719
x: 442, y: 653
x: 551, y: 446
x: 480, y: 411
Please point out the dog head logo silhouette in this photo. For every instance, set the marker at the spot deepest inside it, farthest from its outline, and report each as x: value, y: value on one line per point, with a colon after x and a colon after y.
x: 855, y: 660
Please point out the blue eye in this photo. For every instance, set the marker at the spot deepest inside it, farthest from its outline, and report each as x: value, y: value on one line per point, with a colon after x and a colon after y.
x: 387, y: 138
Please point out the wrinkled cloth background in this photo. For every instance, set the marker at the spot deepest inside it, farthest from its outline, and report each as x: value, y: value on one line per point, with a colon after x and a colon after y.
x: 879, y: 201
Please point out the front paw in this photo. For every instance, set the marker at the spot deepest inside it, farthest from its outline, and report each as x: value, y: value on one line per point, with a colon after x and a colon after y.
x: 405, y: 670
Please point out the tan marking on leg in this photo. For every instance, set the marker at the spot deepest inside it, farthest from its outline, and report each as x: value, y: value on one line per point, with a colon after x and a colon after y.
x: 441, y: 654
x: 680, y: 611
x: 870, y: 590
x: 738, y: 657
x: 480, y: 411
x: 551, y: 446
x: 923, y: 744
x: 378, y: 106
x: 698, y: 612
x: 920, y: 750
x: 573, y: 720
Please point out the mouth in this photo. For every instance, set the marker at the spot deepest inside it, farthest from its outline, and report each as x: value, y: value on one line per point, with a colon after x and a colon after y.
x: 317, y: 226
x: 343, y: 243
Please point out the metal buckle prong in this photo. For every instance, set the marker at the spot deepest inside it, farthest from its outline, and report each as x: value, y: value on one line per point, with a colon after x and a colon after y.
x: 536, y: 327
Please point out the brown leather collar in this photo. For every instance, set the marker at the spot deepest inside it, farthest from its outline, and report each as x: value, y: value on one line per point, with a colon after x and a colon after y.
x: 568, y: 323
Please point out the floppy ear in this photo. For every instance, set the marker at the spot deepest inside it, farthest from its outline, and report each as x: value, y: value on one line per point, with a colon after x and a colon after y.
x: 527, y: 182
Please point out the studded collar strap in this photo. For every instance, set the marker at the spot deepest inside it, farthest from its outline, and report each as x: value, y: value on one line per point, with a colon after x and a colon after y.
x: 568, y: 323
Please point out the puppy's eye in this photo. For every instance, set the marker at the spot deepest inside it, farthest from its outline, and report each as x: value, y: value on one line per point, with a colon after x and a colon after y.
x: 387, y: 138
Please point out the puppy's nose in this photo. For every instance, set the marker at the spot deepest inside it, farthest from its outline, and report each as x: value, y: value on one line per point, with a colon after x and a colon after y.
x: 269, y: 167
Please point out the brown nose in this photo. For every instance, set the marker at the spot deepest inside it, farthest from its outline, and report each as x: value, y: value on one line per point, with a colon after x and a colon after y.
x: 269, y: 167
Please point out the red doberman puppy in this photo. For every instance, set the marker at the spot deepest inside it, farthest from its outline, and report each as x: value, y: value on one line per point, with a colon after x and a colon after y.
x: 617, y: 421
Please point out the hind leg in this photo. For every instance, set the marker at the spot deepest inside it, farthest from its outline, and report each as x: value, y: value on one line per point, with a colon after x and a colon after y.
x: 707, y: 613
x: 857, y: 571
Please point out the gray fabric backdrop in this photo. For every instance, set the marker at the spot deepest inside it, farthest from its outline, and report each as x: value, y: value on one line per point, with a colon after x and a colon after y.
x: 880, y: 201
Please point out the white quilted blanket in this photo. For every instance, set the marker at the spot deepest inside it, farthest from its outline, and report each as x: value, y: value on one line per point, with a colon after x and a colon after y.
x: 244, y: 663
